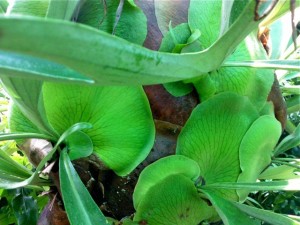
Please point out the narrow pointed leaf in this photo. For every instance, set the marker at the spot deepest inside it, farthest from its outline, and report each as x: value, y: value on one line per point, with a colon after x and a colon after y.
x: 228, y: 212
x: 288, y: 142
x: 80, y: 207
x: 15, y: 136
x: 266, y: 64
x: 287, y: 185
x: 267, y: 216
x: 63, y: 9
x: 15, y: 65
x: 34, y: 178
x: 26, y: 95
x: 126, y: 63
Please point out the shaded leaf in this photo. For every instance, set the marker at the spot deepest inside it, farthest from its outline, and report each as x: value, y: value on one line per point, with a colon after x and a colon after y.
x: 256, y: 149
x: 25, y: 209
x: 34, y: 178
x: 228, y: 212
x: 267, y: 216
x: 103, y: 16
x: 79, y: 145
x: 123, y: 129
x: 170, y: 11
x: 243, y: 80
x: 80, y: 207
x: 288, y: 142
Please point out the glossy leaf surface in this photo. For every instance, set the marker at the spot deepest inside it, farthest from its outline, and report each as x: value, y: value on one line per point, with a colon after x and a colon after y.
x: 80, y: 207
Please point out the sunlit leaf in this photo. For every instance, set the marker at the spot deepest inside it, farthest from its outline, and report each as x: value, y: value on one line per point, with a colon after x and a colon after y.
x: 25, y: 7
x: 161, y: 169
x: 20, y: 66
x: 126, y: 63
x: 80, y: 207
x: 26, y: 95
x: 266, y: 64
x: 213, y: 134
x: 287, y: 185
x: 200, y: 17
x: 279, y: 173
x: 123, y: 129
x: 3, y: 6
x: 63, y: 9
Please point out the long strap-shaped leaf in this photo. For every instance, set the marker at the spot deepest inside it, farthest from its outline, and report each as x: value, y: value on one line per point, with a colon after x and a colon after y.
x: 81, y: 208
x: 34, y: 178
x: 110, y: 60
x: 17, y: 65
x: 266, y: 64
x: 288, y: 185
x: 267, y: 216
x: 63, y: 9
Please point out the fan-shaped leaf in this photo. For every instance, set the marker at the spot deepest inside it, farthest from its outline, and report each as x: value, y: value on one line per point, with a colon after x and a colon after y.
x: 123, y: 128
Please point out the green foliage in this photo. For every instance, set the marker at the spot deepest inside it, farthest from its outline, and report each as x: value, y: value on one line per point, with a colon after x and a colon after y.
x: 226, y: 145
x: 80, y: 207
x: 123, y: 130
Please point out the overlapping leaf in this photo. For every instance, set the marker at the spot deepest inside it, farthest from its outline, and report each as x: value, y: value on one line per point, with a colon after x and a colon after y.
x: 126, y: 63
x: 214, y: 135
x: 103, y: 16
x: 123, y: 129
x: 166, y: 194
